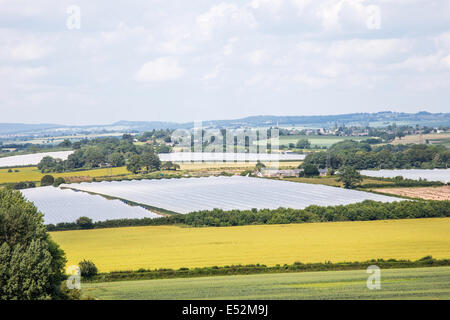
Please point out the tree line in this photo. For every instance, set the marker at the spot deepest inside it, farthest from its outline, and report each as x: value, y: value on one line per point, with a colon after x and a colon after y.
x: 363, y: 211
x: 163, y: 273
x: 362, y: 155
x: 105, y: 152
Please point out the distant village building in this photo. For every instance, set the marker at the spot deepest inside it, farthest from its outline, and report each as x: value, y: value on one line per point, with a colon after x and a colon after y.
x: 323, y: 172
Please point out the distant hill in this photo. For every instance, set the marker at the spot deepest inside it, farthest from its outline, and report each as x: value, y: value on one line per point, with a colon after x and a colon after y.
x: 11, y: 128
x: 373, y: 119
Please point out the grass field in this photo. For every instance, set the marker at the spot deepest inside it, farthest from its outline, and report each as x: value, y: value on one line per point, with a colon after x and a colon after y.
x: 331, y: 181
x: 415, y: 283
x: 33, y: 174
x: 321, y: 141
x: 132, y: 248
x: 233, y: 165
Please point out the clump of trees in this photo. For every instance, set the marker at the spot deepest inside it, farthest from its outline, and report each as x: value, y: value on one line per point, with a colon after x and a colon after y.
x: 106, y: 152
x: 303, y: 144
x: 361, y: 155
x: 350, y: 178
x: 148, y: 160
x: 85, y: 223
x: 31, y: 264
x: 47, y: 180
x: 87, y: 269
x: 169, y: 165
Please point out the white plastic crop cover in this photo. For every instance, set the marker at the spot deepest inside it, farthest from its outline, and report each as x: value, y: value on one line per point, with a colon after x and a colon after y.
x: 60, y: 205
x: 442, y: 175
x: 32, y: 159
x: 219, y: 156
x: 192, y: 194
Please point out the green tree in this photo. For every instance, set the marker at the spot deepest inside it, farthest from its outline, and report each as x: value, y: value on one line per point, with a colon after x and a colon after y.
x: 85, y: 223
x: 58, y: 181
x: 47, y: 180
x: 150, y: 161
x: 66, y: 143
x: 259, y: 166
x: 31, y: 264
x: 47, y: 164
x: 116, y: 159
x: 310, y: 170
x: 303, y: 144
x: 134, y: 164
x: 350, y: 177
x: 87, y: 268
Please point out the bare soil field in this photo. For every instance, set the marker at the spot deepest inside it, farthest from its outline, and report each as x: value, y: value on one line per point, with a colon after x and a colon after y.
x: 433, y: 138
x: 427, y: 193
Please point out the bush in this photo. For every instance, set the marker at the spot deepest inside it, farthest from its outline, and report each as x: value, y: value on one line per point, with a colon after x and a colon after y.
x: 87, y: 269
x: 311, y: 170
x: 85, y: 223
x: 59, y: 181
x: 47, y: 180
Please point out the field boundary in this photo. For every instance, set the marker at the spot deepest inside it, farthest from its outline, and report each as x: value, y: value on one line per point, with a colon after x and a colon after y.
x: 147, y: 274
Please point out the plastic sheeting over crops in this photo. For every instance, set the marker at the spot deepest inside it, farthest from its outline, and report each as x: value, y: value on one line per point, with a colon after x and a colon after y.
x: 59, y: 205
x: 219, y: 156
x: 192, y: 194
x: 32, y: 159
x: 442, y: 175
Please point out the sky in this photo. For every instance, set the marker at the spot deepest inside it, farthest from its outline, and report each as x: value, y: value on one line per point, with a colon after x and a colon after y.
x: 97, y: 62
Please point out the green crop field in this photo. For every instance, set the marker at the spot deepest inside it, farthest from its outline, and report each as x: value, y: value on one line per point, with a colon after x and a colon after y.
x: 321, y: 141
x: 414, y: 283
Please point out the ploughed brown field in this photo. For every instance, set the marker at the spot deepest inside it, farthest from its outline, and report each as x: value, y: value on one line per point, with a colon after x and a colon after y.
x: 427, y: 193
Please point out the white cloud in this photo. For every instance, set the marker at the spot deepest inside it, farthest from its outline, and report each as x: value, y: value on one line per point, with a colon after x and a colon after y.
x: 257, y: 57
x: 224, y: 15
x: 160, y: 69
x: 228, y: 48
x: 214, y: 73
x: 22, y: 74
x: 446, y: 61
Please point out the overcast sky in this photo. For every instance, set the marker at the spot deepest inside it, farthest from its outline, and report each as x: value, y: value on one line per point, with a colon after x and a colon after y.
x: 202, y: 59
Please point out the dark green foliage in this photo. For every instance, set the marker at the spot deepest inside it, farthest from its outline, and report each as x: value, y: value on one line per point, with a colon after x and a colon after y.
x: 362, y: 155
x: 142, y: 274
x: 169, y: 165
x: 303, y: 144
x: 104, y: 152
x: 134, y: 164
x: 31, y: 264
x: 363, y: 211
x: 85, y: 223
x: 47, y: 180
x: 87, y: 269
x: 310, y: 170
x: 116, y: 159
x: 58, y: 181
x: 150, y: 161
x: 350, y: 177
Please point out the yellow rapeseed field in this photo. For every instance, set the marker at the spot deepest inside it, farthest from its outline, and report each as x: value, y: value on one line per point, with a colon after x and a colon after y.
x: 33, y: 174
x: 132, y: 248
